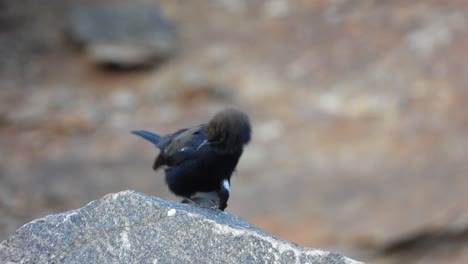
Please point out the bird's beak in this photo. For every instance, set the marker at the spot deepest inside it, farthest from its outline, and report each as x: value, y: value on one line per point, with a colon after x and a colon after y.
x: 204, y: 143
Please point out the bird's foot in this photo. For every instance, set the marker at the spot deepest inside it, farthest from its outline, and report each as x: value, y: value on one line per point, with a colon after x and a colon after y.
x: 201, y: 202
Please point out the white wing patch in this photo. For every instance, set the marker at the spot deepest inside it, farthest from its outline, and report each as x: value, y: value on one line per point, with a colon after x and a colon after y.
x: 226, y: 185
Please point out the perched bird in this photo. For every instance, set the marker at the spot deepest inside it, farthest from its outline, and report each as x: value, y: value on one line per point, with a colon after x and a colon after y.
x: 199, y: 161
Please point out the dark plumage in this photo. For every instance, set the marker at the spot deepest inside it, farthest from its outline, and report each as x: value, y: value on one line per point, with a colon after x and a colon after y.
x: 201, y: 160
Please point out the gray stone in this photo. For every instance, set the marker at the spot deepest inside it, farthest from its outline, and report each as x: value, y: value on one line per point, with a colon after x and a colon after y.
x: 130, y: 227
x: 125, y: 36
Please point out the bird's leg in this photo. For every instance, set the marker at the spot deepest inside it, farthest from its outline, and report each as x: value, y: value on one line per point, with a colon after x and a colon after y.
x: 187, y: 200
x: 202, y: 200
x: 224, y: 194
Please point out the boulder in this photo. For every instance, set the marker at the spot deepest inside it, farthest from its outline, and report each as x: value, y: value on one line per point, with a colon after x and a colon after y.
x: 130, y: 227
x: 123, y: 36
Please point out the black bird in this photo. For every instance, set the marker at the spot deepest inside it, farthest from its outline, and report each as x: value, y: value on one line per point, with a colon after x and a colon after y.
x: 200, y: 160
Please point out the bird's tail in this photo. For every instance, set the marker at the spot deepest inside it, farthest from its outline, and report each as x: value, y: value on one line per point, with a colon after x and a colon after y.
x: 151, y: 137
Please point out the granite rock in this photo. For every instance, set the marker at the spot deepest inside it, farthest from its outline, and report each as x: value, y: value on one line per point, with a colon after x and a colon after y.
x: 130, y: 227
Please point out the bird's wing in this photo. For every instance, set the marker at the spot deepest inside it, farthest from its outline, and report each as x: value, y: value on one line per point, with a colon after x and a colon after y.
x: 166, y: 140
x: 184, y: 145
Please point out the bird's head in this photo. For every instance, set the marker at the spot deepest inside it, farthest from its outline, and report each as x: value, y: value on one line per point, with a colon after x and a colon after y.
x: 228, y: 129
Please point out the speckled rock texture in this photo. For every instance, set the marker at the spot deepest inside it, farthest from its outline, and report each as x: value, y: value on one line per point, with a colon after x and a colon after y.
x: 130, y: 227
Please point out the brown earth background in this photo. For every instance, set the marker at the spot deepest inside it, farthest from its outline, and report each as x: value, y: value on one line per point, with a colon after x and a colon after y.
x: 360, y: 132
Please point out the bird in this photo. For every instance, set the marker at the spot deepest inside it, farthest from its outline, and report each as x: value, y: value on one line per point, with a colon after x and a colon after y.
x: 199, y: 161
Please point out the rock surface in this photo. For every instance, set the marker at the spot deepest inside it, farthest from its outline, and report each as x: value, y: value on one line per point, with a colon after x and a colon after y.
x: 130, y: 227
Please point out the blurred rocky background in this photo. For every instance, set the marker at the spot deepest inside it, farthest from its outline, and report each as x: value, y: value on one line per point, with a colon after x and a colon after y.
x: 360, y: 131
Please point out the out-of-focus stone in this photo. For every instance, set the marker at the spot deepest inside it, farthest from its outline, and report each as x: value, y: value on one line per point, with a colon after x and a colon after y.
x: 125, y: 36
